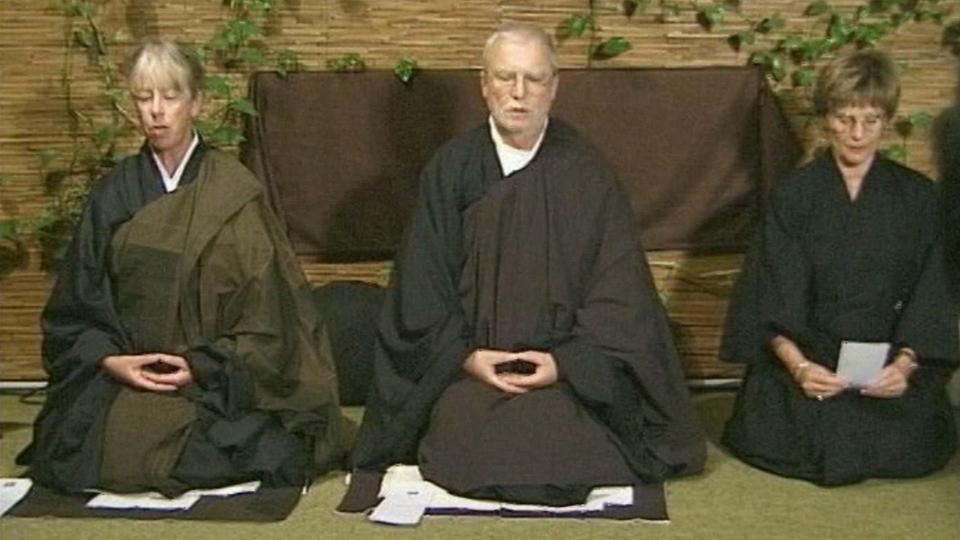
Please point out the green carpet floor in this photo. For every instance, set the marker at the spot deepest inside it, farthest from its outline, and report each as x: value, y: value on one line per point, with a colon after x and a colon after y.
x: 729, y: 501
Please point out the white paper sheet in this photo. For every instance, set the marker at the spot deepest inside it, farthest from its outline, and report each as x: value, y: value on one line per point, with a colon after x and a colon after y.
x: 861, y: 362
x: 152, y: 500
x: 407, y: 496
x: 227, y: 491
x: 402, y: 508
x: 12, y: 490
x: 142, y: 501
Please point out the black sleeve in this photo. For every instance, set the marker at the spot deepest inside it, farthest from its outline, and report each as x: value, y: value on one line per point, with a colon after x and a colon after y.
x: 928, y: 323
x: 772, y: 294
x: 423, y: 337
x: 79, y: 323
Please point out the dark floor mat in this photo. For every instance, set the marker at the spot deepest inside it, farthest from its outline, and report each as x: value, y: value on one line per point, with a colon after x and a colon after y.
x: 267, y: 504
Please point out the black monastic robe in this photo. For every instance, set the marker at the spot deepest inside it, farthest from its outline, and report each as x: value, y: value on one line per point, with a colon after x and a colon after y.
x: 826, y: 268
x: 948, y: 146
x: 204, y: 272
x: 548, y: 259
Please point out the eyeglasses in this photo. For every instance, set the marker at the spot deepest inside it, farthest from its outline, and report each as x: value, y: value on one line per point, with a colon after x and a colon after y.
x: 846, y: 122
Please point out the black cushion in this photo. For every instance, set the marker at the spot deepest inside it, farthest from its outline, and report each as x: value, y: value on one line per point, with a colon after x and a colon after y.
x: 351, y: 310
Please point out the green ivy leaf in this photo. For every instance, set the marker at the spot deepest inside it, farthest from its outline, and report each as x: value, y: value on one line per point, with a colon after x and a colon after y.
x: 253, y: 56
x: 817, y: 8
x: 405, y: 69
x: 896, y: 152
x: 242, y: 30
x: 112, y: 158
x: 263, y: 6
x: 869, y: 34
x: 224, y: 136
x: 47, y: 157
x: 117, y: 96
x: 711, y: 16
x: 768, y: 24
x: 739, y: 39
x: 812, y: 50
x: 612, y: 47
x: 632, y: 6
x: 219, y: 85
x: 243, y: 106
x: 106, y: 136
x: 348, y: 63
x: 804, y: 76
x: 219, y: 42
x: 839, y: 29
x: 203, y: 126
x: 80, y: 8
x: 287, y: 61
x: 575, y: 26
x: 920, y: 119
x: 9, y: 228
x: 875, y: 7
x: 84, y: 38
x: 790, y: 43
x: 44, y: 222
x: 200, y: 53
x: 771, y: 62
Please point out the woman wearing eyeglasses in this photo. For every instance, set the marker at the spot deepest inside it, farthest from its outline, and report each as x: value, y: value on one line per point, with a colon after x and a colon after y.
x: 850, y: 250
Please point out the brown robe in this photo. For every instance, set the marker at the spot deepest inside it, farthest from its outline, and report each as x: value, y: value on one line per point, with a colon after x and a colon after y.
x: 206, y: 273
x: 544, y: 259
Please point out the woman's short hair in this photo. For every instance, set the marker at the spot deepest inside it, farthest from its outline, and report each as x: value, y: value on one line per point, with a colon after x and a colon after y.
x: 864, y: 77
x: 164, y: 63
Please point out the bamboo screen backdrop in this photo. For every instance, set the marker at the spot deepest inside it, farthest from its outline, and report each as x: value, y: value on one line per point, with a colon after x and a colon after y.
x: 439, y: 34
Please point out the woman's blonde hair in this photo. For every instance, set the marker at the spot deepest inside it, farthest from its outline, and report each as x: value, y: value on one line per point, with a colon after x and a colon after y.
x: 865, y: 77
x: 164, y: 63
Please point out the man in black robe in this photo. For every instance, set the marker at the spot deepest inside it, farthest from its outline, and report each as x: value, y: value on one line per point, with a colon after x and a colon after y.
x: 523, y: 354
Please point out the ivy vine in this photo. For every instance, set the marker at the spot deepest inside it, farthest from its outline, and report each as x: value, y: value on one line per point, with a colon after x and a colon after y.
x: 786, y: 50
x: 406, y: 69
x: 348, y: 63
x: 581, y: 24
x: 235, y: 50
x: 791, y: 53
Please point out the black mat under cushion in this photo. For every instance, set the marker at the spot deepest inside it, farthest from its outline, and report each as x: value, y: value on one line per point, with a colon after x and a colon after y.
x: 649, y: 502
x: 267, y: 504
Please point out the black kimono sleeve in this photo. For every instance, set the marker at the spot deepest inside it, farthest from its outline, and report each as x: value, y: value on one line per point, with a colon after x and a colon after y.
x: 928, y: 322
x: 423, y: 337
x: 773, y: 293
x: 80, y: 327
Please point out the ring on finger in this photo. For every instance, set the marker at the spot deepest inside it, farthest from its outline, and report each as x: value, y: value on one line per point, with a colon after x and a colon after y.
x: 819, y: 397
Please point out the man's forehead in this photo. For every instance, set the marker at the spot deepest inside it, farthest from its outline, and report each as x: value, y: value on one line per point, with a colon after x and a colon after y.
x: 519, y: 53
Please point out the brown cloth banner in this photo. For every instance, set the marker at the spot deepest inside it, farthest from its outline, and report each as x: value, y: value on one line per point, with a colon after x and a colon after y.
x: 342, y: 152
